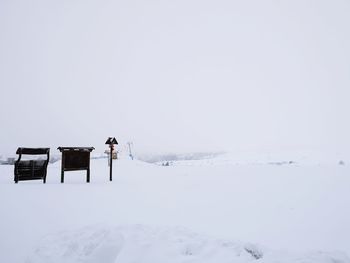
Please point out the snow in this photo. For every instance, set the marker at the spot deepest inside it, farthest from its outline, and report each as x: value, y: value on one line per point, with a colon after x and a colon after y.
x: 140, y: 243
x: 216, y: 210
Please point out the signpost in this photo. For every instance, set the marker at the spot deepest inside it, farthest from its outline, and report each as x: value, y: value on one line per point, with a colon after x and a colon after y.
x: 111, y: 141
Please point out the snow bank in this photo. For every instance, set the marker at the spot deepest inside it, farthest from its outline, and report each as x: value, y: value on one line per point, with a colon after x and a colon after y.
x: 139, y: 243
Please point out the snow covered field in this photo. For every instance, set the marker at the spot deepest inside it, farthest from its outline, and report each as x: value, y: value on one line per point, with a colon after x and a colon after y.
x: 194, y: 211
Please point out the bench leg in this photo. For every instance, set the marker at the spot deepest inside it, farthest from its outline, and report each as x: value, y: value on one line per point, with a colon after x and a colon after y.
x: 88, y: 175
x: 44, y: 177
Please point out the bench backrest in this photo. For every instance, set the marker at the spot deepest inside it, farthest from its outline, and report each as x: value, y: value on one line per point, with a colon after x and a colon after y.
x: 33, y: 151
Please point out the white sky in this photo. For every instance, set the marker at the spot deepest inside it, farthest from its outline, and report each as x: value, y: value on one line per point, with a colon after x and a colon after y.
x: 184, y: 75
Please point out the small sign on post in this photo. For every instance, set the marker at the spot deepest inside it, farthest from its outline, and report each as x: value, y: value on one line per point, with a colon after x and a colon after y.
x: 111, y: 141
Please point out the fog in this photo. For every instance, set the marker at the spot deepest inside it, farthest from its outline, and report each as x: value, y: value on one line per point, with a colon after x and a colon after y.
x: 175, y: 76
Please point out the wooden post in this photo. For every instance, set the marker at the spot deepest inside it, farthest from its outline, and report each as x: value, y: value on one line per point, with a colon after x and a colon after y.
x: 62, y: 168
x: 88, y: 171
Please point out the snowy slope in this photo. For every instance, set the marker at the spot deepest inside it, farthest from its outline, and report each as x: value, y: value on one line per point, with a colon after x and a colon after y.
x: 183, y: 213
x: 139, y: 243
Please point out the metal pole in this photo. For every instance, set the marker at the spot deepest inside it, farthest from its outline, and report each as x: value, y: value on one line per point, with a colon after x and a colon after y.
x: 110, y: 162
x: 130, y: 154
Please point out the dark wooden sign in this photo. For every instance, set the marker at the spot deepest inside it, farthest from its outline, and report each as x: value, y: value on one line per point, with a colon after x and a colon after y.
x: 75, y: 159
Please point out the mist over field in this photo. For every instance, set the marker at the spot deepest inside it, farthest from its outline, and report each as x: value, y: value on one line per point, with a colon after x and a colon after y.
x: 175, y: 76
x: 235, y: 113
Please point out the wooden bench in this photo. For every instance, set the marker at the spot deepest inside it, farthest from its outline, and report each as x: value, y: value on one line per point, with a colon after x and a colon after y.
x: 31, y: 169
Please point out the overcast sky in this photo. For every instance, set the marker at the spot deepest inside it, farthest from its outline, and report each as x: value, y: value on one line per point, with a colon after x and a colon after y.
x: 173, y: 76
